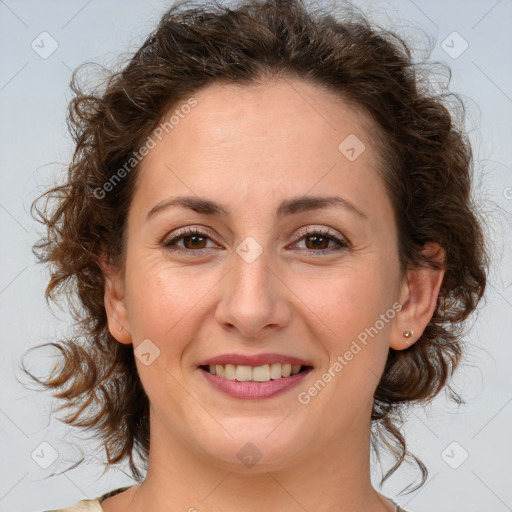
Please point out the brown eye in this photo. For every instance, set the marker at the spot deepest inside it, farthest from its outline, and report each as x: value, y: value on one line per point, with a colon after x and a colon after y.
x: 318, y: 240
x: 194, y: 242
x: 193, y: 239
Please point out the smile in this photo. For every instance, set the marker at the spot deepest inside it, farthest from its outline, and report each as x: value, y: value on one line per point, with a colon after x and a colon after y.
x: 254, y: 376
x: 263, y: 373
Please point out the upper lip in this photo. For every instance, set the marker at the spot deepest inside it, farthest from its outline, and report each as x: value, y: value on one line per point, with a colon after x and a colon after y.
x: 254, y: 360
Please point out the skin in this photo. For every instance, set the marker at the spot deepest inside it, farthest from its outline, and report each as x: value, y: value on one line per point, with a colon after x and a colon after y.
x: 249, y: 148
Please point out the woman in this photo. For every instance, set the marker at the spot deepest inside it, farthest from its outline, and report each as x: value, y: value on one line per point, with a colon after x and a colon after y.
x: 267, y: 222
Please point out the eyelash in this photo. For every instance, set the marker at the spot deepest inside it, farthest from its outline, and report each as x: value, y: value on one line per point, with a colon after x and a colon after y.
x: 188, y: 232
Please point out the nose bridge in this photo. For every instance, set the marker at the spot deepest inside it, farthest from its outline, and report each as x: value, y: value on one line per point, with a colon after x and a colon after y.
x: 253, y: 298
x: 252, y: 270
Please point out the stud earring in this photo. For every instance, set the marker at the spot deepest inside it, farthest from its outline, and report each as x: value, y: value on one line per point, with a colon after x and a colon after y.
x: 407, y: 334
x: 120, y: 328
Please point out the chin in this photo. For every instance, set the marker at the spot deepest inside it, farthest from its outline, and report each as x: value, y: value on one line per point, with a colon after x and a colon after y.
x: 256, y: 446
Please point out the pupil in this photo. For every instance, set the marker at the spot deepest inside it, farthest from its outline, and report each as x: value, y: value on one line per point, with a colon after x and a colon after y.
x: 194, y: 239
x: 316, y: 243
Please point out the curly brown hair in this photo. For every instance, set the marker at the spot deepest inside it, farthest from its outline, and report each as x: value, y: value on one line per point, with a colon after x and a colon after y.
x: 426, y: 164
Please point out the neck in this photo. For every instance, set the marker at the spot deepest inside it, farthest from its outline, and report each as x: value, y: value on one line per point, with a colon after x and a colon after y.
x: 336, y: 477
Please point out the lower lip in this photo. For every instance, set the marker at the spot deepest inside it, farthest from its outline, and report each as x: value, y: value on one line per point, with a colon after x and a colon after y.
x: 254, y: 390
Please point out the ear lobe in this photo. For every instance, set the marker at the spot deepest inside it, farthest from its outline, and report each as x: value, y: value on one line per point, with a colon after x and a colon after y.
x: 418, y: 297
x: 114, y: 300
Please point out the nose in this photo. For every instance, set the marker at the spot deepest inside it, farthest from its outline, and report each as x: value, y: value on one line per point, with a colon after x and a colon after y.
x: 255, y: 299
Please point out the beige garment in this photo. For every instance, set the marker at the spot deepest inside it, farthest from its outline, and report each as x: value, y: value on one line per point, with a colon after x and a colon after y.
x: 82, y: 506
x: 91, y: 505
x: 95, y: 505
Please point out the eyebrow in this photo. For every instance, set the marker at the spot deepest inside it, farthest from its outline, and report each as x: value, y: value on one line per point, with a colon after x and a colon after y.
x: 287, y: 207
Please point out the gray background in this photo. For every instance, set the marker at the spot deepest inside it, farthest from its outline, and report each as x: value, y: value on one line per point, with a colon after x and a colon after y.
x: 35, y: 147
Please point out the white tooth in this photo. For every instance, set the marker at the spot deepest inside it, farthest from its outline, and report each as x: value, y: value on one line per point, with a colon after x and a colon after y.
x: 275, y: 371
x: 261, y: 373
x: 229, y: 371
x: 286, y: 370
x: 295, y: 369
x: 243, y: 373
x: 220, y: 370
x: 213, y: 369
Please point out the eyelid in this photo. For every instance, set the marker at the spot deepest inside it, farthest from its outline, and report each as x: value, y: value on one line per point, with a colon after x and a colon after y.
x: 300, y: 234
x: 342, y: 242
x: 188, y: 231
x: 307, y: 230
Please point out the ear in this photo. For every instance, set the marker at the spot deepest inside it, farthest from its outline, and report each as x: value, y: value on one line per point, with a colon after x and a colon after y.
x: 418, y: 297
x: 115, y: 306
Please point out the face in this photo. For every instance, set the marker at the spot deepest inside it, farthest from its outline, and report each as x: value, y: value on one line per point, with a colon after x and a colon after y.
x: 257, y: 275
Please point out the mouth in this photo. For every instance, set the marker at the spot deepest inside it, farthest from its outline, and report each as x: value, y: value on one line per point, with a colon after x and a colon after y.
x: 253, y: 377
x: 262, y: 373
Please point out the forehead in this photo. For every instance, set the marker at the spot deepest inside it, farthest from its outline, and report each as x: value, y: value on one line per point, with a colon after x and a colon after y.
x: 276, y: 112
x: 282, y: 137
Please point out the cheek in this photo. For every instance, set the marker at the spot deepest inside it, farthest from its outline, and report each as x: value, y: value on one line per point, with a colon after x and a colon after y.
x: 355, y: 307
x: 346, y: 301
x: 163, y: 299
